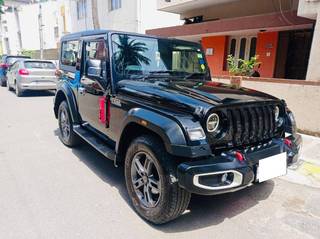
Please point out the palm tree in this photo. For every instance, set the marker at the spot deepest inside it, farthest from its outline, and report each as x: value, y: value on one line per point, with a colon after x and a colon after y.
x: 129, y: 53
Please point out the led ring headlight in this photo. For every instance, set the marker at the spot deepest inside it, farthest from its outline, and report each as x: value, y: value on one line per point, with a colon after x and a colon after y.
x: 213, y: 122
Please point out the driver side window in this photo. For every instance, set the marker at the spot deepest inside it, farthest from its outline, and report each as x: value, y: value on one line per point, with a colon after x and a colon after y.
x: 96, y: 59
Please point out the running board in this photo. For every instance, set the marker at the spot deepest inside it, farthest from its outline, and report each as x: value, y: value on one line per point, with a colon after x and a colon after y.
x: 95, y: 142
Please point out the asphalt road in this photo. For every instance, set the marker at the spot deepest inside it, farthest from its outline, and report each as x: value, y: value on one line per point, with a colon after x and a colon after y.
x: 50, y: 191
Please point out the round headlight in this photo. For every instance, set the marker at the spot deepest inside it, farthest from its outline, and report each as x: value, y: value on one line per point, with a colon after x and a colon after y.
x: 213, y: 122
x: 276, y: 113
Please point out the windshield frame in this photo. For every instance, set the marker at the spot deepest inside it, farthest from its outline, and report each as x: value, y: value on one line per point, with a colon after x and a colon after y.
x: 114, y: 74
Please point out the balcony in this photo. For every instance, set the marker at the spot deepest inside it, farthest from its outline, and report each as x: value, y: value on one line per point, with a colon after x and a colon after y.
x: 181, y: 6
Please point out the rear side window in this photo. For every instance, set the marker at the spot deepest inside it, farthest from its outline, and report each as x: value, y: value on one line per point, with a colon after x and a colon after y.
x: 39, y: 65
x: 69, y: 53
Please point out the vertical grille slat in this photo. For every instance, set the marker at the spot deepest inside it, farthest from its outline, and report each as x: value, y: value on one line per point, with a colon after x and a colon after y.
x: 230, y: 137
x: 260, y: 122
x: 266, y: 119
x: 254, y: 125
x: 246, y: 123
x: 237, y: 126
x: 272, y: 120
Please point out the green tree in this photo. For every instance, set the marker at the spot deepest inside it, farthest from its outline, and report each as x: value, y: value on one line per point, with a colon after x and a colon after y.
x: 129, y: 53
x: 1, y: 4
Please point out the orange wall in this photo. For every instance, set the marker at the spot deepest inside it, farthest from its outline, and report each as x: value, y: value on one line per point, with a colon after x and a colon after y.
x: 267, y: 45
x: 217, y: 61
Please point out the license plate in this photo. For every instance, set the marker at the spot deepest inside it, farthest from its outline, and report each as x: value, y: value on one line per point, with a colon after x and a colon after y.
x: 272, y: 167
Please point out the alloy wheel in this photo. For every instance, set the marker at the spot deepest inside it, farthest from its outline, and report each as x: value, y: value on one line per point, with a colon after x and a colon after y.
x: 64, y: 124
x: 145, y: 179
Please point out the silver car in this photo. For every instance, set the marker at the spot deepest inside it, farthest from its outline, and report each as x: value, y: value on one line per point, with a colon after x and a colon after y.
x: 30, y: 74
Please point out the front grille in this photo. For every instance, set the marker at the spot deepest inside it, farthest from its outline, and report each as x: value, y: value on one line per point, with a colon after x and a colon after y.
x: 247, y: 125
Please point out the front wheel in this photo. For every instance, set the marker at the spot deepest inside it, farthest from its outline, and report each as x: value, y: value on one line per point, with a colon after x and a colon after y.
x: 67, y: 135
x: 149, y: 185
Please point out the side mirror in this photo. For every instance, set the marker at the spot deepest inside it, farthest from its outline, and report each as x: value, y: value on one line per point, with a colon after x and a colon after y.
x: 94, y: 72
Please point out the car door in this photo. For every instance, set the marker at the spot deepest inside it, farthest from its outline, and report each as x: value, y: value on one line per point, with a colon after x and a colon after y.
x: 92, y: 93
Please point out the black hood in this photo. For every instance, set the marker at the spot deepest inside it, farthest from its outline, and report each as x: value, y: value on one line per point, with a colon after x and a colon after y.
x: 193, y: 96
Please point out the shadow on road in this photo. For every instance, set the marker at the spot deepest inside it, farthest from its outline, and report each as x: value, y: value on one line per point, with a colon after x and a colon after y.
x: 203, y: 211
x: 36, y: 93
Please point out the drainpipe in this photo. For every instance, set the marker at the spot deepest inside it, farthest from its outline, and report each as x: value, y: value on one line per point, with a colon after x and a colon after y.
x: 139, y: 16
x: 40, y: 31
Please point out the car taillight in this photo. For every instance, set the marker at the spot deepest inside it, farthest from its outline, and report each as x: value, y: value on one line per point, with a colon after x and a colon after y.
x: 4, y: 65
x: 23, y: 72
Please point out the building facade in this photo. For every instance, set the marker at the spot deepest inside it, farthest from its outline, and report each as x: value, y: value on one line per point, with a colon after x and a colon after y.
x: 274, y: 30
x: 28, y: 26
x: 311, y: 9
x: 22, y: 28
x: 122, y: 15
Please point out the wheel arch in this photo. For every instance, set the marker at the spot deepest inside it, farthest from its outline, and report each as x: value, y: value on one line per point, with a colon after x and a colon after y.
x: 64, y: 92
x: 141, y: 121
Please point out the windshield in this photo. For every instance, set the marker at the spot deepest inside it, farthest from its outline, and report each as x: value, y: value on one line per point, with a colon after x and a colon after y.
x: 135, y: 56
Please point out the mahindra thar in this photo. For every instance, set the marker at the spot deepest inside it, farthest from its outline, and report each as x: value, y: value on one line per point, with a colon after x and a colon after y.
x: 149, y: 104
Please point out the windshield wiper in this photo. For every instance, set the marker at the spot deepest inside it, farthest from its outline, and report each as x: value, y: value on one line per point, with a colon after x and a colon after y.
x: 195, y: 74
x: 171, y: 72
x: 151, y: 76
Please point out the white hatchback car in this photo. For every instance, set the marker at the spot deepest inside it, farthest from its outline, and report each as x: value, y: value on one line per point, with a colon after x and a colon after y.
x: 31, y: 74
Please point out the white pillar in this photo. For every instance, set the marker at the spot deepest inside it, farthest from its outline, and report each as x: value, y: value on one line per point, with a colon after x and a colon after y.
x: 313, y: 72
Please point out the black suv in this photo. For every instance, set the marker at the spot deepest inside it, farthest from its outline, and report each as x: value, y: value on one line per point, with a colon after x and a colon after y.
x: 149, y: 103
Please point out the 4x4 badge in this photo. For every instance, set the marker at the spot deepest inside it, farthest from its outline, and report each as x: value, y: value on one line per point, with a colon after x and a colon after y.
x: 115, y: 101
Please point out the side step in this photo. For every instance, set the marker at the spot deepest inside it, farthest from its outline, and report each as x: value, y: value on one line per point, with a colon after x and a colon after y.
x: 95, y: 142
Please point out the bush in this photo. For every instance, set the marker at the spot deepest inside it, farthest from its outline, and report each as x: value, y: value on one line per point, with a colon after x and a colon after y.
x: 240, y: 67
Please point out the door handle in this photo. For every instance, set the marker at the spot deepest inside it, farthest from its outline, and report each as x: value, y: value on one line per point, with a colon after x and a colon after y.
x: 82, y: 91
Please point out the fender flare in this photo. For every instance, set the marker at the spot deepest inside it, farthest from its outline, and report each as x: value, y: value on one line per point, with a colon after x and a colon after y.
x: 168, y: 130
x: 64, y: 91
x: 171, y: 133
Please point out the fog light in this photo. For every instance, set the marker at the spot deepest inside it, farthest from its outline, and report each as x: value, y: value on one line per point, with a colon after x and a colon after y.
x: 224, y: 178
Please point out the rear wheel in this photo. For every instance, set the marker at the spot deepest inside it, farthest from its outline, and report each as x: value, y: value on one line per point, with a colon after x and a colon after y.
x: 149, y: 185
x: 67, y: 135
x: 18, y: 90
x: 3, y: 82
x: 8, y: 86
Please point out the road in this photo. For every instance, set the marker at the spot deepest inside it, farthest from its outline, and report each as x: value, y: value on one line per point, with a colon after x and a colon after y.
x: 50, y: 191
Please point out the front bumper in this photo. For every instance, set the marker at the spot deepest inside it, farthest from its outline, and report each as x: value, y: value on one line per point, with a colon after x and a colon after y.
x: 226, y: 173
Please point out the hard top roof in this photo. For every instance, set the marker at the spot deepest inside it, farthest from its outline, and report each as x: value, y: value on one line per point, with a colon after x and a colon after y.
x: 77, y: 35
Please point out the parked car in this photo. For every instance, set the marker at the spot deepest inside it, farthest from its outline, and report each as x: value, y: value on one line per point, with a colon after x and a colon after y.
x: 6, y: 62
x: 149, y: 103
x: 31, y: 74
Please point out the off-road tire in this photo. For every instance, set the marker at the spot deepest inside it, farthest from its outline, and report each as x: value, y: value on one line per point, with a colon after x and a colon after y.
x: 73, y: 139
x: 173, y: 199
